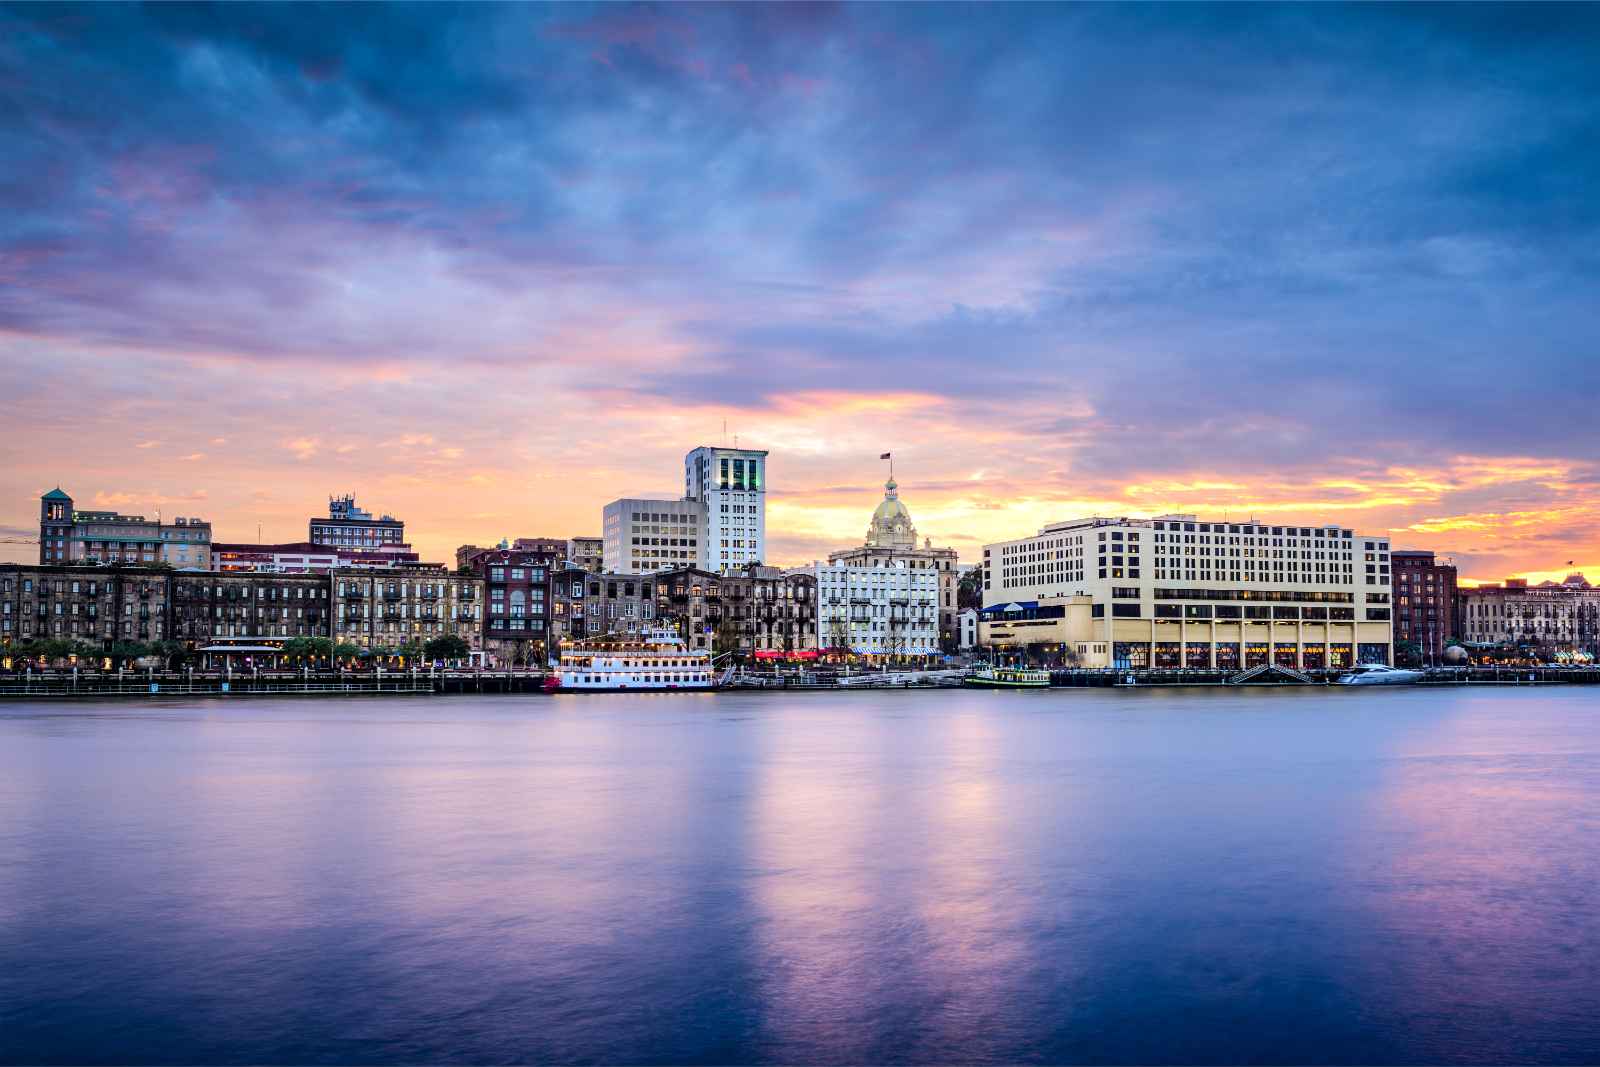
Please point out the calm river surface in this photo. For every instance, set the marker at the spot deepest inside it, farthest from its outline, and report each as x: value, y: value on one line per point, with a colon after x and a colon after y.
x: 1408, y: 876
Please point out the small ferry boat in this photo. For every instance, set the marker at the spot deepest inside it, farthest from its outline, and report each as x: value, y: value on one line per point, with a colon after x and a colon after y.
x: 1008, y: 678
x: 658, y: 660
x: 1379, y: 674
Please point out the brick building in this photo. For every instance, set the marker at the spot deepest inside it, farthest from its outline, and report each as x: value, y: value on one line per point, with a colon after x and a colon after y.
x: 517, y: 603
x: 96, y: 605
x: 1425, y: 606
x: 67, y: 535
x: 388, y: 609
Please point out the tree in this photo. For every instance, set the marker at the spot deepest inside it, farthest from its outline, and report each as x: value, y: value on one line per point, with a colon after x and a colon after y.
x: 345, y: 650
x: 1407, y: 654
x: 969, y: 589
x: 123, y: 652
x: 448, y: 647
x: 411, y: 650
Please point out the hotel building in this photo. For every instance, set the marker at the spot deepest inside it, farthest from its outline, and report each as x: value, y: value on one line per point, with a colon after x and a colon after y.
x: 1175, y: 591
x: 67, y: 535
x: 877, y: 611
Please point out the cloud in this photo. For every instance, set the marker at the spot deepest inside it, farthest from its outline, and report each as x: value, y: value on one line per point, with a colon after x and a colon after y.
x: 1305, y: 260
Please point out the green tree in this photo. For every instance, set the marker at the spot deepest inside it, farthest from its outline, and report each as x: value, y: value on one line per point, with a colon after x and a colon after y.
x: 448, y: 647
x: 411, y: 650
x: 1407, y: 654
x: 345, y: 650
x: 123, y: 653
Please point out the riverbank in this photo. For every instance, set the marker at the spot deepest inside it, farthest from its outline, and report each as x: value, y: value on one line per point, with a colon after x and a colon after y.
x: 146, y: 684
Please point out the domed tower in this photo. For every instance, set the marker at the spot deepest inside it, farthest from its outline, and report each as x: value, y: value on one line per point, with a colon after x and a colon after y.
x: 891, y: 525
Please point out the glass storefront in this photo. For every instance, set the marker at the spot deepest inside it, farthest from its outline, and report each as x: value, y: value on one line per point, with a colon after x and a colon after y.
x: 1167, y: 654
x: 1131, y: 655
x: 1228, y: 657
x: 1284, y: 656
x: 1311, y: 657
x: 1197, y: 654
x: 1255, y: 654
x: 1338, y: 656
x: 1372, y: 653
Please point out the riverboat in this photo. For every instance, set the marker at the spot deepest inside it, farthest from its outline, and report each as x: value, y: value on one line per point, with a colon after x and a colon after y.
x: 1008, y: 678
x: 658, y: 660
x: 1379, y: 674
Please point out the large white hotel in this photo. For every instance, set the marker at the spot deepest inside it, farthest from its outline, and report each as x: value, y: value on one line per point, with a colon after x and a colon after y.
x: 1175, y: 591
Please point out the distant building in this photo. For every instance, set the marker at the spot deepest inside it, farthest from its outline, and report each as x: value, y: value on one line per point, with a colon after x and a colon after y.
x: 720, y: 524
x: 890, y: 610
x: 1424, y: 602
x: 589, y: 606
x: 1175, y: 591
x: 98, y: 605
x: 518, y: 601
x: 303, y: 557
x: 385, y: 610
x: 348, y: 526
x: 1551, y: 616
x: 644, y: 536
x: 758, y: 610
x: 892, y: 540
x: 730, y: 484
x: 586, y: 552
x: 967, y: 629
x: 254, y: 608
x: 67, y: 535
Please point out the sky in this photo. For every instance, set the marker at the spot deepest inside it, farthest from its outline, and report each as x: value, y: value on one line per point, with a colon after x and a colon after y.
x: 489, y: 267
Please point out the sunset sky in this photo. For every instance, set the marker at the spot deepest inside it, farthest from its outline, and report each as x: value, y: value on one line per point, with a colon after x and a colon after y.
x: 490, y: 267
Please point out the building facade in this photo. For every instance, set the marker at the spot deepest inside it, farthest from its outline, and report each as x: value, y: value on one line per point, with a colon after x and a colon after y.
x: 609, y: 605
x: 518, y: 604
x: 349, y: 526
x: 67, y: 535
x: 889, y: 611
x: 386, y: 610
x: 1425, y: 606
x: 1175, y: 591
x: 587, y: 552
x: 303, y: 557
x: 1551, y: 618
x: 760, y: 609
x: 730, y: 484
x: 892, y: 541
x: 248, y: 607
x: 644, y: 536
x: 97, y: 605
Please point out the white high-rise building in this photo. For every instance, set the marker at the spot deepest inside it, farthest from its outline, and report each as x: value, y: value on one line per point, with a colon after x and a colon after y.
x: 731, y: 486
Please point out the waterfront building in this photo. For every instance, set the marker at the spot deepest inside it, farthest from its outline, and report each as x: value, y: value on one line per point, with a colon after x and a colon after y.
x: 760, y: 609
x: 886, y: 611
x: 98, y: 605
x: 967, y: 626
x: 644, y: 536
x: 1175, y: 591
x: 517, y: 605
x: 303, y: 557
x: 67, y: 535
x: 1425, y: 607
x: 892, y: 541
x: 730, y: 484
x: 248, y: 608
x: 586, y: 552
x: 589, y: 606
x: 1550, y: 617
x: 349, y: 526
x: 385, y: 610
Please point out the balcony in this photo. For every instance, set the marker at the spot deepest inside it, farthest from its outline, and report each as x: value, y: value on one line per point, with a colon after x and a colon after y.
x: 391, y: 594
x: 354, y: 594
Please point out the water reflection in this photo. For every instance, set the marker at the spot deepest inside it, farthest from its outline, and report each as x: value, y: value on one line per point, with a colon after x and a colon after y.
x: 900, y: 877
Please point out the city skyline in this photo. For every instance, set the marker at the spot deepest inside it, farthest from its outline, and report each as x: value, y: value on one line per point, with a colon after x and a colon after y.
x: 490, y: 268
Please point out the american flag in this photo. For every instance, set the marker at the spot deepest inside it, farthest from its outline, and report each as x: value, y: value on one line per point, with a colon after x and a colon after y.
x: 885, y: 455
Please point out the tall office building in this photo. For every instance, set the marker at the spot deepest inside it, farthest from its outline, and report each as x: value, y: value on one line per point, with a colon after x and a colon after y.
x: 645, y: 536
x: 731, y: 486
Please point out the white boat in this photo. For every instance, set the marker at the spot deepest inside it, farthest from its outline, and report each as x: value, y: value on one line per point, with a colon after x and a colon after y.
x: 1379, y: 674
x: 1008, y: 678
x: 658, y: 660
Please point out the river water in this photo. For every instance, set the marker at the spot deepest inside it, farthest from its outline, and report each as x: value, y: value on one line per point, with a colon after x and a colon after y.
x: 1153, y: 876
